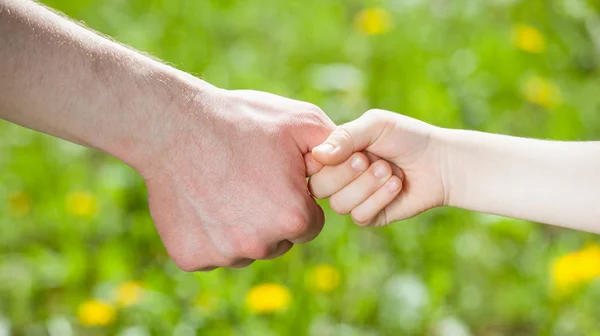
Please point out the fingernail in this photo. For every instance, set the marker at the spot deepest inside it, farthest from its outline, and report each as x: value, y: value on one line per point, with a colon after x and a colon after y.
x: 326, y: 148
x: 379, y: 171
x: 392, y: 186
x: 358, y: 164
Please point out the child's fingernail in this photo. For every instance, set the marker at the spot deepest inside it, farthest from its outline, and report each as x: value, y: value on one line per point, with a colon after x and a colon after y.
x: 326, y: 148
x: 358, y: 164
x: 393, y: 186
x: 379, y: 171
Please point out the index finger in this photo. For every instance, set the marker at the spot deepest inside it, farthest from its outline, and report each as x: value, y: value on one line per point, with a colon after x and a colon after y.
x: 312, y: 166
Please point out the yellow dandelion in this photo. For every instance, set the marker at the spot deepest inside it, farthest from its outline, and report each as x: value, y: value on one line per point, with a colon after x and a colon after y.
x: 81, y: 204
x: 575, y: 269
x: 373, y: 21
x: 324, y: 278
x: 19, y: 204
x: 96, y: 313
x: 267, y: 298
x: 542, y: 92
x: 207, y: 303
x: 129, y: 293
x: 529, y: 39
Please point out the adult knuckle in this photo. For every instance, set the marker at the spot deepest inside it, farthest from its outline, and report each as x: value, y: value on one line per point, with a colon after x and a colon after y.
x: 238, y: 247
x: 255, y: 250
x: 186, y: 267
x: 281, y: 130
x: 295, y: 223
x: 240, y: 263
x: 312, y: 108
x: 188, y: 263
x: 313, y: 117
x: 207, y: 269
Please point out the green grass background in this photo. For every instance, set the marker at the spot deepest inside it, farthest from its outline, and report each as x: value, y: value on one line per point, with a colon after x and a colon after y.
x: 450, y: 63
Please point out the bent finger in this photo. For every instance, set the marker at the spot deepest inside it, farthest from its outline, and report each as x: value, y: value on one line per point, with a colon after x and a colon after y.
x: 368, y: 212
x: 308, y: 224
x: 332, y: 179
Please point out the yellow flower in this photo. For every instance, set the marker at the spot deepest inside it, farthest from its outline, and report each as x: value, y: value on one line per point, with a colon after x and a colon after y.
x: 542, y: 92
x: 81, y: 204
x: 129, y: 293
x: 529, y: 39
x: 19, y: 204
x: 373, y: 21
x: 575, y: 269
x: 96, y: 313
x: 268, y: 297
x: 324, y: 278
x: 207, y: 303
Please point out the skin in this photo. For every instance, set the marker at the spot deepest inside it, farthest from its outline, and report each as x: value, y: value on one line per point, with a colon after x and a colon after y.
x: 359, y: 189
x: 550, y: 182
x: 225, y: 170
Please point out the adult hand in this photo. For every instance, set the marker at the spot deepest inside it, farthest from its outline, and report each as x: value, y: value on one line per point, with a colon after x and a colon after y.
x: 224, y: 169
x: 229, y: 183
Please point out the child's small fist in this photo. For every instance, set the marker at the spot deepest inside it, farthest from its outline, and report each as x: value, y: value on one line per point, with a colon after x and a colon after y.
x: 357, y: 187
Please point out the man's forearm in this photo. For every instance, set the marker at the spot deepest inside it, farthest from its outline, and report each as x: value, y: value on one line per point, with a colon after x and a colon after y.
x: 546, y: 181
x: 213, y: 202
x: 62, y: 79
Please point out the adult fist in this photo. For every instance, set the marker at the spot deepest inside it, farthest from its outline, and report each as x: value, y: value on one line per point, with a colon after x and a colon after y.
x: 229, y: 182
x: 225, y: 170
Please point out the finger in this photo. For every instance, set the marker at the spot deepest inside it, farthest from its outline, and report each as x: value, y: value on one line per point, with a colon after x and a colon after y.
x: 207, y: 269
x: 396, y: 171
x: 370, y: 212
x: 351, y: 137
x: 241, y: 263
x: 332, y: 179
x: 282, y: 247
x: 315, y: 128
x: 312, y: 166
x: 305, y: 228
x: 362, y: 188
x: 372, y: 157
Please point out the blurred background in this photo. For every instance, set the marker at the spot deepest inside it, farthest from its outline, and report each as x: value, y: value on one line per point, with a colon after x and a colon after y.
x: 79, y: 254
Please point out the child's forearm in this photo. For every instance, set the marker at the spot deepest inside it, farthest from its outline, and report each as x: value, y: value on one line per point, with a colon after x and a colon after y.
x: 544, y: 181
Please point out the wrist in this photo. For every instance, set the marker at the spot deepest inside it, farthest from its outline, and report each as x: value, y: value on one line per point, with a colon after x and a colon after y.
x: 452, y: 169
x: 162, y: 108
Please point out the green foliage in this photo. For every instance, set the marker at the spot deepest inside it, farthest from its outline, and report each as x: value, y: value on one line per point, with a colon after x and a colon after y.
x: 450, y: 63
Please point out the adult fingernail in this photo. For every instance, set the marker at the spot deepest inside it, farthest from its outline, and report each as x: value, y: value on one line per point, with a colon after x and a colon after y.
x: 358, y: 164
x: 379, y: 171
x: 326, y: 148
x: 392, y: 186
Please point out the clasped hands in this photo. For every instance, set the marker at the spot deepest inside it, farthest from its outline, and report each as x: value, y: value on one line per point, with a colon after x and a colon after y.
x: 235, y: 190
x: 226, y: 170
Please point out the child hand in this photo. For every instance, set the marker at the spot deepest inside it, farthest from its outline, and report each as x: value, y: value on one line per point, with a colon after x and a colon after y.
x: 407, y: 143
x: 358, y: 188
